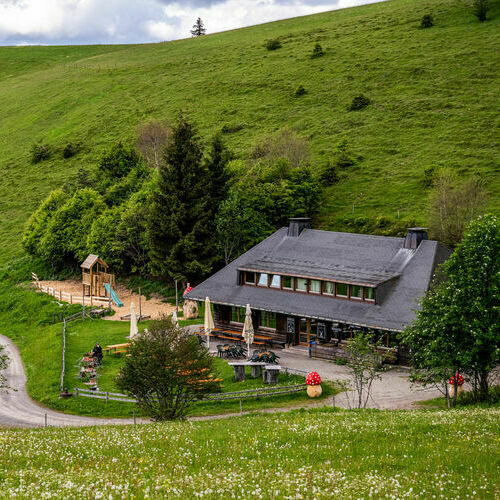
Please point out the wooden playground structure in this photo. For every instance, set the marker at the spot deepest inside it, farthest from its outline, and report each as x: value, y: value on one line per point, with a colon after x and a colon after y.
x: 95, y: 276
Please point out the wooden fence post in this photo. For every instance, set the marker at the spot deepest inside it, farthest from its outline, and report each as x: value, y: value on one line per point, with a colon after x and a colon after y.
x: 241, y: 408
x: 71, y: 298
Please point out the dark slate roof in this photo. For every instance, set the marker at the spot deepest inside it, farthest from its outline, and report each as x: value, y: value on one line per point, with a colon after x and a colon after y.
x: 344, y: 257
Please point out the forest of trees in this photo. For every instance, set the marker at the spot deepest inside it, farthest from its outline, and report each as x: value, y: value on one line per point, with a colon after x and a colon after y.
x: 170, y: 206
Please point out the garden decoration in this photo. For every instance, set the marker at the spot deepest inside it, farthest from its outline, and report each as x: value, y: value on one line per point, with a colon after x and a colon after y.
x: 460, y: 382
x: 313, y: 382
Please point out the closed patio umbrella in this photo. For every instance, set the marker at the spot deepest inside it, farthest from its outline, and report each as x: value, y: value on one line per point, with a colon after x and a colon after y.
x: 175, y: 320
x: 208, y: 324
x: 133, y: 322
x: 248, y: 329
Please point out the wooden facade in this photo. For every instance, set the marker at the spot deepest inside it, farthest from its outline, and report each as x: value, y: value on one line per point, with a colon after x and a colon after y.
x: 327, y: 337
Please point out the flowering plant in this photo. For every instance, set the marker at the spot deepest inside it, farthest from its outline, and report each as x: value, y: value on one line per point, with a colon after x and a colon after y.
x: 458, y: 377
x: 313, y: 378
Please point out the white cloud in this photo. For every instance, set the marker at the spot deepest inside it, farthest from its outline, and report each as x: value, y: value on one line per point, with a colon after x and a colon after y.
x: 134, y: 21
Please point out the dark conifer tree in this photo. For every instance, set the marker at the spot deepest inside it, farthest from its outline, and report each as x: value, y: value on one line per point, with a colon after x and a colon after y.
x: 198, y: 28
x: 216, y: 165
x: 181, y: 223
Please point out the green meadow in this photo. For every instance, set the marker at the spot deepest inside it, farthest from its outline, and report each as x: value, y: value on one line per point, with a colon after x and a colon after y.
x: 433, y: 92
x: 319, y: 453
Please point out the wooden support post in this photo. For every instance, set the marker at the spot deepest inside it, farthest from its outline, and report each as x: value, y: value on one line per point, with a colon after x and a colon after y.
x: 107, y: 397
x: 71, y: 298
x: 83, y: 301
x: 133, y: 415
x: 45, y: 420
x: 91, y: 300
x: 109, y: 298
x: 60, y: 294
x: 176, y: 299
x: 241, y: 408
x: 140, y: 304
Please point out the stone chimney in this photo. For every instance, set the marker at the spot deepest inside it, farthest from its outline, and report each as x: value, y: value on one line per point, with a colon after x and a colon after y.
x: 297, y: 225
x: 414, y: 236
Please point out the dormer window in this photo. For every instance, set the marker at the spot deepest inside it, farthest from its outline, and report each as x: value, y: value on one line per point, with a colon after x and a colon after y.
x: 263, y: 279
x: 287, y: 282
x: 249, y: 278
x: 315, y: 286
x: 301, y: 285
x: 275, y: 281
x: 370, y: 294
x: 356, y: 292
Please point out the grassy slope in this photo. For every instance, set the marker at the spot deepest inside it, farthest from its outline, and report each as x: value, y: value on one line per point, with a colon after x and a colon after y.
x: 304, y: 454
x: 26, y: 318
x: 434, y: 94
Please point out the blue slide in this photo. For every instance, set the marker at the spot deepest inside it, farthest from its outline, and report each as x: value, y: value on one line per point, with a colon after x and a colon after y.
x: 114, y: 297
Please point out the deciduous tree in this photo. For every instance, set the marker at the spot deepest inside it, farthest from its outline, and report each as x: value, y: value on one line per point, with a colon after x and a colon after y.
x: 167, y: 371
x: 458, y: 326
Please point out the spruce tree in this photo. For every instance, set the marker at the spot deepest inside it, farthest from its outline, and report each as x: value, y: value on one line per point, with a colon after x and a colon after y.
x: 198, y: 28
x: 181, y: 222
x: 216, y: 165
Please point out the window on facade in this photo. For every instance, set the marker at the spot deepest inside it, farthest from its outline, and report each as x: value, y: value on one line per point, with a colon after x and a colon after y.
x: 267, y: 319
x: 275, y: 281
x: 315, y: 286
x: 301, y: 285
x: 238, y: 314
x: 287, y: 282
x: 263, y: 279
x: 369, y: 293
x: 250, y: 278
x: 356, y: 292
x: 328, y: 288
x: 342, y: 289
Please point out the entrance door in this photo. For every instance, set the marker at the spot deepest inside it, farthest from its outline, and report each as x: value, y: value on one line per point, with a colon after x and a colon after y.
x: 304, y: 331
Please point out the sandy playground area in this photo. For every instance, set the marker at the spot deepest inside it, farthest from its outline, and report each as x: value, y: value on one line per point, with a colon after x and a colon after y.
x: 153, y: 307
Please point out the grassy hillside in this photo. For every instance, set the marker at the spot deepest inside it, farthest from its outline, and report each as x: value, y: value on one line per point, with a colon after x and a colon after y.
x: 305, y: 454
x: 434, y: 95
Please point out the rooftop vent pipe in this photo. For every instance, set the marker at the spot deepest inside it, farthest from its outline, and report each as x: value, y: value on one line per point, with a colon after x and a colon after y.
x: 414, y: 236
x: 297, y: 225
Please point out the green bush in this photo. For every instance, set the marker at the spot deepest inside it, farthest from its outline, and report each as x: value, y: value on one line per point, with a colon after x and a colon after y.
x: 427, y: 21
x: 317, y: 51
x: 39, y: 152
x: 329, y: 174
x: 232, y: 128
x: 359, y: 102
x: 300, y: 90
x: 429, y: 175
x: 273, y: 44
x: 70, y: 150
x: 382, y: 222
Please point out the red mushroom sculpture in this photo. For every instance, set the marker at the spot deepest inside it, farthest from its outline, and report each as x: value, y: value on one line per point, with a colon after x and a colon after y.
x: 313, y: 382
x: 460, y: 383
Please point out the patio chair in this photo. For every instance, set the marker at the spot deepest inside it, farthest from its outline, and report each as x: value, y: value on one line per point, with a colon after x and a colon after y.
x: 220, y: 351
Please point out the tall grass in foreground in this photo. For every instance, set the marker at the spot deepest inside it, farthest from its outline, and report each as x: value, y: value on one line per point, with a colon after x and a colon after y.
x: 303, y: 454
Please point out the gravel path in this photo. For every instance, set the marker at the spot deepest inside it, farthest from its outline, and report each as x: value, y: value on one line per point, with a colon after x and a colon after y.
x: 17, y: 409
x: 393, y: 391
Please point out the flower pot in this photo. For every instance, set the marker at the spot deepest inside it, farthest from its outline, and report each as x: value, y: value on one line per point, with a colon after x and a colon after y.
x: 314, y: 391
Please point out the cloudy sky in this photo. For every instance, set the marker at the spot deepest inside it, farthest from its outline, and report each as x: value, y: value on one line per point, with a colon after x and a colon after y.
x: 136, y: 21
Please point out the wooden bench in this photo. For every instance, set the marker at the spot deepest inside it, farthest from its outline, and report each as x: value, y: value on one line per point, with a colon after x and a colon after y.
x: 271, y: 374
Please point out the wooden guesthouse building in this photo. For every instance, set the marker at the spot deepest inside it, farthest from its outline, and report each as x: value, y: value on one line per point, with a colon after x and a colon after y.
x: 313, y: 287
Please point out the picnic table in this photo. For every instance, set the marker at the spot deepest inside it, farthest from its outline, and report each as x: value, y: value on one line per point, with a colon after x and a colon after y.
x: 117, y: 348
x: 269, y: 376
